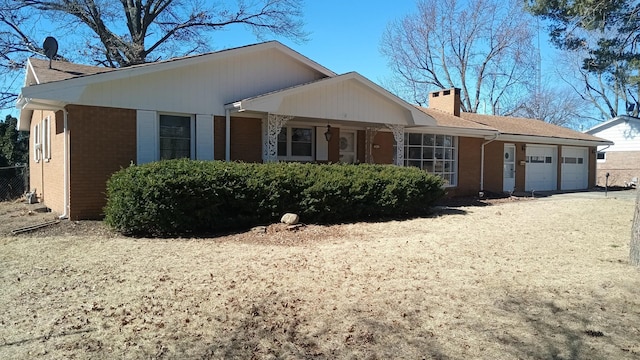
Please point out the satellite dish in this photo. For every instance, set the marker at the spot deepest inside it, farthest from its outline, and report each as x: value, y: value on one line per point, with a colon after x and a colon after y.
x: 630, y: 107
x: 50, y: 47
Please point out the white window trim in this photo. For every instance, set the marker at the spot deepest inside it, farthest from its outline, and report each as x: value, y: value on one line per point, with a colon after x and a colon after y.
x: 604, y: 155
x: 192, y: 127
x: 288, y: 157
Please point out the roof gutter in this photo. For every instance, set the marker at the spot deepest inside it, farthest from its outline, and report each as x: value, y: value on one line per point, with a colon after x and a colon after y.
x: 495, y: 137
x: 532, y: 139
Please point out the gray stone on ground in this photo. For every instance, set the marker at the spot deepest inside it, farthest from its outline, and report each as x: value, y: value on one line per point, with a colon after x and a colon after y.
x: 289, y: 219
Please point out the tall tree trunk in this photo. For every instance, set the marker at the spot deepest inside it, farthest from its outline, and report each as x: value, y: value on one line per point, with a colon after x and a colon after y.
x: 634, y: 254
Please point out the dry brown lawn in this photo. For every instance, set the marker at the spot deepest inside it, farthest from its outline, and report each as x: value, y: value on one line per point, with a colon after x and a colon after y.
x: 537, y: 279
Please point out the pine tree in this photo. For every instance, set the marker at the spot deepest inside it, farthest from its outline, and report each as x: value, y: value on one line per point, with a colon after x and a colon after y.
x: 13, y: 143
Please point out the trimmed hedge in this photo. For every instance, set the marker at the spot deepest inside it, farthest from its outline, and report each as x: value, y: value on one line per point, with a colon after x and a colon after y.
x: 185, y: 196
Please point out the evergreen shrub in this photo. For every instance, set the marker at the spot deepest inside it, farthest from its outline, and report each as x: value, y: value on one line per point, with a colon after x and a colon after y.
x: 176, y: 197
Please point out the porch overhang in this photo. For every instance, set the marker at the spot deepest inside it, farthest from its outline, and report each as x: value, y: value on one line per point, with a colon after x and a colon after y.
x: 349, y: 98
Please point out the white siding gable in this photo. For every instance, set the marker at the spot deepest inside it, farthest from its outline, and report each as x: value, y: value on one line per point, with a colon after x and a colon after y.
x: 345, y: 100
x: 624, y: 134
x: 205, y: 87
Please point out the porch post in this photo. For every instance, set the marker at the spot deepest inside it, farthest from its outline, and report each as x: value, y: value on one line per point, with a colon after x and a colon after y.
x: 275, y: 123
x: 398, y: 136
x: 369, y: 136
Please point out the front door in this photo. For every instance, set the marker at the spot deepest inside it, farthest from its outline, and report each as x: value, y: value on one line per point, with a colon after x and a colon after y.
x: 509, y: 168
x: 348, y: 146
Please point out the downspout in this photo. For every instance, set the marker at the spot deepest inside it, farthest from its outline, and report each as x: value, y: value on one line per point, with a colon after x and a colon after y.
x: 66, y: 164
x: 227, y: 135
x: 495, y: 137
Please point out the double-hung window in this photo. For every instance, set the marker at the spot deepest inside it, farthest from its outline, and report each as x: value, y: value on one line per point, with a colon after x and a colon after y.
x: 175, y: 136
x: 436, y: 154
x: 295, y: 143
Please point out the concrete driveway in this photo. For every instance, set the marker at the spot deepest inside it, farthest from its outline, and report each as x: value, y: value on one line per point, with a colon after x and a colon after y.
x: 626, y: 194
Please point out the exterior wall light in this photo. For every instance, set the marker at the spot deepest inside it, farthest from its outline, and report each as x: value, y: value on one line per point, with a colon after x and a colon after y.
x: 327, y: 134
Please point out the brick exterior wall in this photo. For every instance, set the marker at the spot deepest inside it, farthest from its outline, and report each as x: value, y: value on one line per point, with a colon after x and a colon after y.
x: 493, y: 173
x: 622, y: 166
x: 102, y: 141
x: 246, y: 139
x: 468, y: 168
x: 47, y: 177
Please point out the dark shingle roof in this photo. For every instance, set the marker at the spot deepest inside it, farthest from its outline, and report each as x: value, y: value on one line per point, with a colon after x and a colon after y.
x: 61, y: 70
x: 525, y: 126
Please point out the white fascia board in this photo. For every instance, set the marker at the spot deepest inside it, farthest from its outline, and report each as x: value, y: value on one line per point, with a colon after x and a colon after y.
x: 419, y: 117
x: 28, y: 105
x: 54, y: 92
x: 143, y: 69
x: 610, y: 123
x: 24, y: 120
x: 314, y: 65
x: 552, y: 140
x: 266, y: 104
x: 454, y: 131
x: 29, y: 70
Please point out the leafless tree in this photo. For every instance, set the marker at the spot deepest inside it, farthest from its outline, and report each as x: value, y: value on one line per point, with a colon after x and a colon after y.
x: 129, y: 32
x: 483, y: 47
x: 555, y: 105
x: 606, y: 95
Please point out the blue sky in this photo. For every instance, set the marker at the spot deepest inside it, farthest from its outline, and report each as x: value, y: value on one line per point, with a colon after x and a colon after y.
x: 345, y: 35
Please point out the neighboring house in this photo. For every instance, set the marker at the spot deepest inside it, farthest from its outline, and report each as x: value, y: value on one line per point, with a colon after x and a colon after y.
x: 622, y: 159
x: 263, y: 103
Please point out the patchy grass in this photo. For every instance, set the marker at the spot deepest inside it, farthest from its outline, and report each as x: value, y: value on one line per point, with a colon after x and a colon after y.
x: 529, y: 279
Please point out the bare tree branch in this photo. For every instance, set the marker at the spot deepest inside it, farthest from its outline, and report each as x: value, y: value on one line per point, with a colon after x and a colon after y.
x: 483, y: 51
x: 129, y: 32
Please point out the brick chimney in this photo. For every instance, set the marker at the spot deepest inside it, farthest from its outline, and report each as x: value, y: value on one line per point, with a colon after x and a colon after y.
x: 446, y: 100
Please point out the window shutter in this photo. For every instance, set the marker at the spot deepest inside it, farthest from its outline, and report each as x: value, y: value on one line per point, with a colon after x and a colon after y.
x: 204, y: 137
x: 322, y: 145
x: 36, y: 143
x: 147, y: 134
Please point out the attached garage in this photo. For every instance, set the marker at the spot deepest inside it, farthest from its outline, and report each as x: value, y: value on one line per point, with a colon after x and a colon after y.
x: 575, y: 168
x: 541, y: 168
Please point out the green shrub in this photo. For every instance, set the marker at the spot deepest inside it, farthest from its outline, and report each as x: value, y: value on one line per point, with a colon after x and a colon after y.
x: 184, y: 196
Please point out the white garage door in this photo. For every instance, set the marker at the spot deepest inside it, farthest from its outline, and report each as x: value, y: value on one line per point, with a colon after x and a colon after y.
x: 575, y: 168
x: 541, y: 168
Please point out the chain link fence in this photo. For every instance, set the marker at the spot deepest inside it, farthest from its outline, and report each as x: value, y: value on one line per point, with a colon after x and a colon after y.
x: 14, y: 182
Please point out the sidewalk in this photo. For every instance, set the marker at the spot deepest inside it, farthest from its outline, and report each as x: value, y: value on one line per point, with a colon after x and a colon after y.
x: 626, y: 194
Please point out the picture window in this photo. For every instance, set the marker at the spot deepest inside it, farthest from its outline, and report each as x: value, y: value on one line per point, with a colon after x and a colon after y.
x: 436, y: 154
